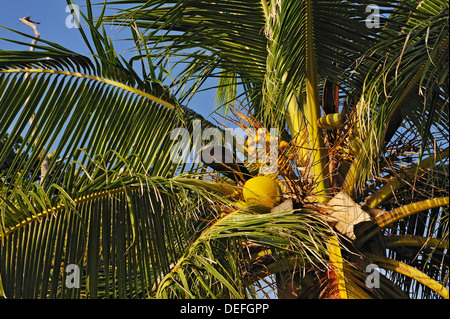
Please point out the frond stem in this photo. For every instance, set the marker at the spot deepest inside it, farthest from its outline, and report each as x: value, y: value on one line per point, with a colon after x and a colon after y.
x: 62, y: 206
x: 394, y: 183
x: 411, y: 272
x: 98, y: 79
x: 386, y: 219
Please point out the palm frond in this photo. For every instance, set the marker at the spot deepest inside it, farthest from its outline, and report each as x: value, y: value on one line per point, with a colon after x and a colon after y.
x: 63, y: 129
x: 295, y: 234
x: 102, y: 138
x: 123, y: 239
x: 204, y: 37
x: 408, y: 78
x: 47, y: 55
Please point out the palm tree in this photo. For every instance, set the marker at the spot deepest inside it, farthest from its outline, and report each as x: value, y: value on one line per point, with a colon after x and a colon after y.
x: 363, y: 113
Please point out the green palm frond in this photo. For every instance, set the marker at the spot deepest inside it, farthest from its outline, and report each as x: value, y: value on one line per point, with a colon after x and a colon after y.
x: 408, y: 80
x: 210, y: 40
x: 102, y: 134
x: 294, y: 238
x: 123, y: 237
x: 70, y: 123
x: 46, y: 55
x: 203, y: 37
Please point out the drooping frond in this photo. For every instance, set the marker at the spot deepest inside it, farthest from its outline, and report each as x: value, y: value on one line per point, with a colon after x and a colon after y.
x: 122, y: 237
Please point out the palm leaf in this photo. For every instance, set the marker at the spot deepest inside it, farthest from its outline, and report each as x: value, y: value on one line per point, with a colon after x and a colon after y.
x: 295, y: 234
x: 48, y: 55
x: 122, y: 239
x: 95, y: 128
x: 397, y: 81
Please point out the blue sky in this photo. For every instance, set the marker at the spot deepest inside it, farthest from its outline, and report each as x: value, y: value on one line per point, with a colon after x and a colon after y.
x: 52, y: 16
x: 50, y: 13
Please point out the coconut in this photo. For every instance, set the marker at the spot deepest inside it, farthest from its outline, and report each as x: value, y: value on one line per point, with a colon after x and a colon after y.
x: 262, y: 193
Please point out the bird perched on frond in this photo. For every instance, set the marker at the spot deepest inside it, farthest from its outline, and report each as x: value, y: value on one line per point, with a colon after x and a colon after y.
x: 27, y: 18
x: 223, y: 161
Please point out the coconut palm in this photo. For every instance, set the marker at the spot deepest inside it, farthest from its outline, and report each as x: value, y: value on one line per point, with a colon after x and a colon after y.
x: 88, y: 176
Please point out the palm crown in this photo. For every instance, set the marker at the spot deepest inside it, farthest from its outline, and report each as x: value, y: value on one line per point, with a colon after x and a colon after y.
x: 88, y: 178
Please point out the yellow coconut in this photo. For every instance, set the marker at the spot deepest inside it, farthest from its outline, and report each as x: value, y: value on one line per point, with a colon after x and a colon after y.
x: 262, y: 192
